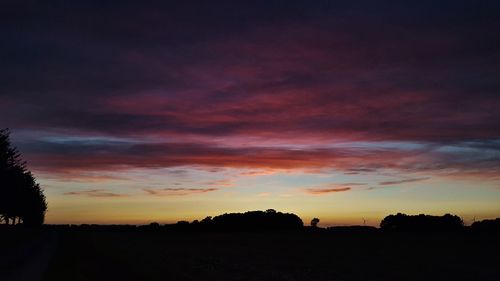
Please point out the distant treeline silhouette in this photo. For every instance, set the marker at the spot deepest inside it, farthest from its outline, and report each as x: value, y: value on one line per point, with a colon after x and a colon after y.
x: 352, y: 229
x: 248, y: 221
x: 272, y: 220
x: 269, y: 220
x: 403, y: 222
x: 487, y: 225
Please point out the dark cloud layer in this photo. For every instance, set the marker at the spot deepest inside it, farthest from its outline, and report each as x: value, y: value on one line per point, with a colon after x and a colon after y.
x: 322, y: 191
x: 417, y: 71
x: 402, y: 181
x: 461, y: 159
x: 96, y: 193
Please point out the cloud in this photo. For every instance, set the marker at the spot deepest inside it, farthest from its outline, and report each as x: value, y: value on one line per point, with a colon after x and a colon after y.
x: 259, y: 172
x: 352, y: 184
x: 96, y: 193
x: 288, y: 72
x: 321, y: 191
x: 252, y: 81
x: 220, y: 183
x: 178, y: 191
x: 328, y: 188
x: 402, y: 181
x: 450, y: 160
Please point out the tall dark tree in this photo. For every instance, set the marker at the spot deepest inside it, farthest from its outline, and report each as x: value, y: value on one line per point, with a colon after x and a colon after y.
x: 21, y: 198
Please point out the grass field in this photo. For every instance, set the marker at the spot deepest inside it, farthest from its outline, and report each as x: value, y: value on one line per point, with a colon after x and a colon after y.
x: 274, y: 256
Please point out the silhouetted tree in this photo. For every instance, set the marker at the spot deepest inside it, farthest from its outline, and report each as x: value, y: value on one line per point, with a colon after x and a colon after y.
x: 314, y: 222
x: 21, y: 198
x: 403, y: 222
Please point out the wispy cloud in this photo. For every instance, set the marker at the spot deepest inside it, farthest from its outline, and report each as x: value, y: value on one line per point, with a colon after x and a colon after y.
x: 178, y: 191
x: 96, y: 193
x: 403, y: 181
x: 351, y: 184
x: 461, y: 160
x: 331, y: 188
x: 320, y: 191
x: 260, y: 172
x: 220, y: 183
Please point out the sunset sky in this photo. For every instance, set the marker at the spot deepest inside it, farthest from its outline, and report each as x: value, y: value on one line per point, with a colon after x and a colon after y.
x: 141, y: 111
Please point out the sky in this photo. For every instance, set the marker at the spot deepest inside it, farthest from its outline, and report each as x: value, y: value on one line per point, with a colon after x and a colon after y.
x: 141, y: 111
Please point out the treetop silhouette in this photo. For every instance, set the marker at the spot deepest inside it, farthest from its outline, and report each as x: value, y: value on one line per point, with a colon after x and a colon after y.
x: 21, y: 197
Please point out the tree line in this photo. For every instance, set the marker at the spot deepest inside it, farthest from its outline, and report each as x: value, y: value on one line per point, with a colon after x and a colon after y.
x: 251, y: 220
x: 272, y: 220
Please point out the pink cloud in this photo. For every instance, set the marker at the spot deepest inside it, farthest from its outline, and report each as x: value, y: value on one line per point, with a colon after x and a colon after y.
x: 178, y: 191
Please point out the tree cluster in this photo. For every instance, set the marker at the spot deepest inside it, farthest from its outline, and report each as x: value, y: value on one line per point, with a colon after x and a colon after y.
x: 21, y: 197
x: 264, y: 220
x: 403, y: 222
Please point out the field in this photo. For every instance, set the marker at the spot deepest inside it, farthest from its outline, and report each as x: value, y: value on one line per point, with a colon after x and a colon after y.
x: 274, y: 256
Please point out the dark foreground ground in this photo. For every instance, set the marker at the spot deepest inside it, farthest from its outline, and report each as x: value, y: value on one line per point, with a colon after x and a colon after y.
x: 141, y: 256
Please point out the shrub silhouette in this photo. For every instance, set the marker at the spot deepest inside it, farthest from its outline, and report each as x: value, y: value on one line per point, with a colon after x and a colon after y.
x: 314, y: 222
x: 21, y: 198
x: 403, y: 222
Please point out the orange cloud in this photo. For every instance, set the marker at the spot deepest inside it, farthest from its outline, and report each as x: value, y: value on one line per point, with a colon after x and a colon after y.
x: 332, y: 187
